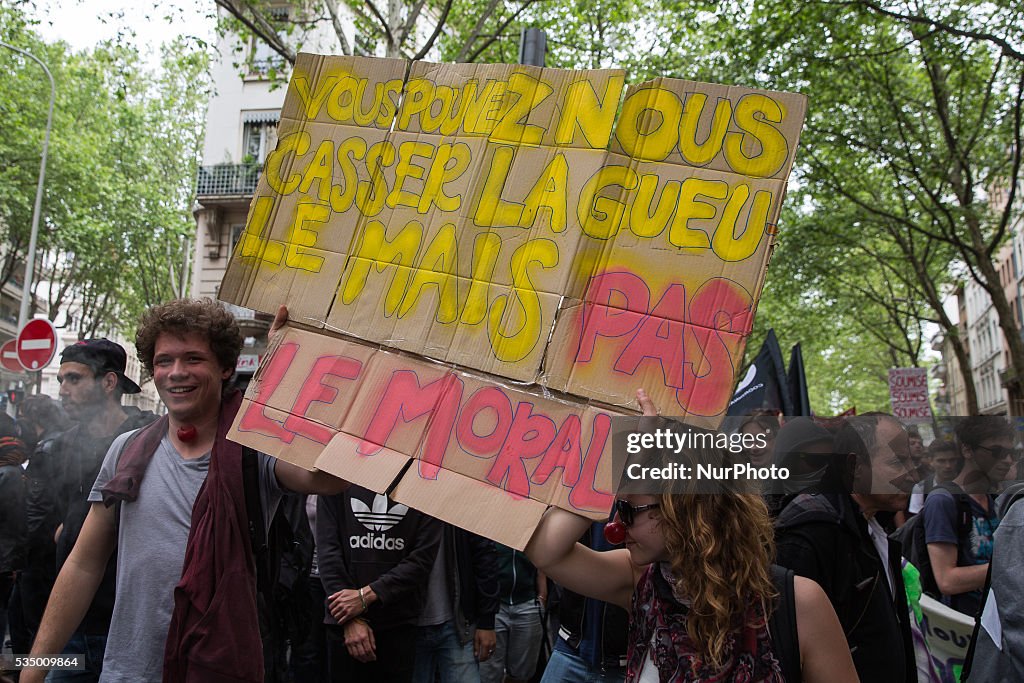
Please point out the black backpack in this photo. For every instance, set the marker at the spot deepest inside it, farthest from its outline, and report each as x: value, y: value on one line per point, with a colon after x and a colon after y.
x: 782, y: 625
x: 911, y: 538
x: 283, y: 555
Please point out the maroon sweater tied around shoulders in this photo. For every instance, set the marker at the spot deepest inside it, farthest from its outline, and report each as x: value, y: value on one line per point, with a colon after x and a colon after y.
x: 214, y: 632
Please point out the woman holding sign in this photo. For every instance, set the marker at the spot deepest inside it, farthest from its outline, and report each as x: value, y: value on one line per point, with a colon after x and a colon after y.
x: 697, y: 578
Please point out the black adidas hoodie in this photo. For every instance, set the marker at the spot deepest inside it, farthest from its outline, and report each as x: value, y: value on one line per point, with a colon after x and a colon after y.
x: 365, y: 539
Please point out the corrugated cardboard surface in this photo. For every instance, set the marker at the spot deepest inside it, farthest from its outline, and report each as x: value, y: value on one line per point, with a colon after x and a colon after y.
x: 499, y: 221
x: 382, y: 419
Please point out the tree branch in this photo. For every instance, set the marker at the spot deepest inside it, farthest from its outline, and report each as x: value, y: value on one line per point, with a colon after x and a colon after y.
x: 437, y: 31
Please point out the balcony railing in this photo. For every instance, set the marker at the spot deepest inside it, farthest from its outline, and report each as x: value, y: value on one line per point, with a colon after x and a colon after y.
x: 227, y: 180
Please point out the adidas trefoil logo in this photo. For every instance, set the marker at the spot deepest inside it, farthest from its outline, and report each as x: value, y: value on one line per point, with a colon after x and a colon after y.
x: 379, y: 517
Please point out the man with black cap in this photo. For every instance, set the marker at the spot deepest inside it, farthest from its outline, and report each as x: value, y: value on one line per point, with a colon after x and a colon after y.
x: 802, y: 447
x: 92, y: 381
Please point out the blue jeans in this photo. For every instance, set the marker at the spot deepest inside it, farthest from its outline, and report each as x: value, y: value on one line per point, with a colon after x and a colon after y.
x: 518, y: 631
x: 438, y: 650
x: 91, y: 648
x: 564, y: 667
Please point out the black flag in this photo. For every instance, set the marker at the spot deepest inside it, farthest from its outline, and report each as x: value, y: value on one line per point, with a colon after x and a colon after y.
x: 797, y: 381
x: 763, y: 387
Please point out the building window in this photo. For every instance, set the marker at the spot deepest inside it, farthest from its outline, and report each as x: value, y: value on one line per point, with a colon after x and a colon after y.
x: 236, y: 233
x: 259, y: 136
x: 262, y: 58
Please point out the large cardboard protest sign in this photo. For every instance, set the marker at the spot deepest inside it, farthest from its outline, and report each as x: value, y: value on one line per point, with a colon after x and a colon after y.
x: 480, y: 226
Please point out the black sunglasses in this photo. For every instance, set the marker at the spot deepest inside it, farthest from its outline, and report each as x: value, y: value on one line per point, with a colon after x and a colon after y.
x: 628, y: 512
x: 1000, y: 452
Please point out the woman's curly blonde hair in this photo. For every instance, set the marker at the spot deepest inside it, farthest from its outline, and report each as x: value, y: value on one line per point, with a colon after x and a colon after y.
x: 720, y: 547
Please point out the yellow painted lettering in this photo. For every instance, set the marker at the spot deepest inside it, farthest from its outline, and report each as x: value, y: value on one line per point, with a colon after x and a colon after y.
x: 375, y: 249
x: 390, y: 95
x: 320, y: 169
x: 701, y: 153
x: 513, y: 345
x: 648, y: 218
x: 296, y: 144
x: 301, y: 234
x: 255, y: 241
x: 725, y: 243
x: 418, y: 94
x: 371, y: 195
x: 312, y: 102
x: 526, y: 94
x: 485, y: 256
x: 437, y: 268
x: 492, y: 210
x: 592, y: 115
x: 649, y: 124
x: 466, y: 96
x: 450, y: 162
x: 755, y: 115
x: 550, y: 194
x: 487, y: 109
x: 341, y: 105
x: 365, y: 117
x: 600, y: 211
x: 444, y: 100
x: 691, y: 207
x: 348, y: 151
x: 407, y: 168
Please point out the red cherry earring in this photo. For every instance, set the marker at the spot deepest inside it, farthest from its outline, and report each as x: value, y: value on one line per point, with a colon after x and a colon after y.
x: 615, y: 533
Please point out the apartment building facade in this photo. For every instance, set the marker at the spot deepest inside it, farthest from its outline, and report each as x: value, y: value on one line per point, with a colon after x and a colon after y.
x: 241, y: 129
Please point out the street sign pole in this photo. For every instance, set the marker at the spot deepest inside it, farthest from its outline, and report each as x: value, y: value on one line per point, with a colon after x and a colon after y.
x: 26, y: 288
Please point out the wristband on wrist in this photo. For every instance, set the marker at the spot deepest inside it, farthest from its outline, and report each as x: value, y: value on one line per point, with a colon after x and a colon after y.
x: 362, y: 599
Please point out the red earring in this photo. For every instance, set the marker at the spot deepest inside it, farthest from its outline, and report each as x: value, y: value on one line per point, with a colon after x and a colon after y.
x: 615, y: 533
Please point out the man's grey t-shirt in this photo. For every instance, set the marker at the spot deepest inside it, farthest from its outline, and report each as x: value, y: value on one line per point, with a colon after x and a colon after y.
x: 152, y: 535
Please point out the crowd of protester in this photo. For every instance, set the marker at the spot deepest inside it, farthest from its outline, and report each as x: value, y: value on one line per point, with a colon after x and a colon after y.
x: 155, y: 549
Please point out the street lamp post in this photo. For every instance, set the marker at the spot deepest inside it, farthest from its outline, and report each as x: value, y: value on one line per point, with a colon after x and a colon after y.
x: 26, y: 290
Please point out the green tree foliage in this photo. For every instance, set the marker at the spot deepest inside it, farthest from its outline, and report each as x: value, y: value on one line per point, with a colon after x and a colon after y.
x: 907, y: 166
x: 463, y: 31
x: 120, y: 176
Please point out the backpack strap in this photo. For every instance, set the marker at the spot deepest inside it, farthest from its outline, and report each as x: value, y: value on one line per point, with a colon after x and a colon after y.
x: 965, y: 672
x: 929, y: 485
x: 964, y: 516
x: 782, y: 625
x: 254, y: 512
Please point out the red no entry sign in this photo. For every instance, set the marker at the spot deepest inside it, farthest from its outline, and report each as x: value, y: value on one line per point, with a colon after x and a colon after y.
x: 9, y: 356
x: 37, y: 343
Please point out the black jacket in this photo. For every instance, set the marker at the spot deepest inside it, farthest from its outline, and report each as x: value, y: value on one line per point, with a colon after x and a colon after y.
x: 42, y: 513
x: 825, y: 538
x: 572, y: 610
x: 60, y: 480
x: 12, y: 519
x: 472, y: 563
x: 365, y: 539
